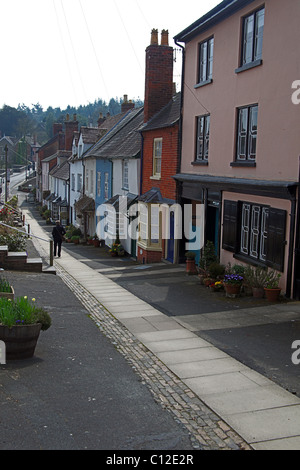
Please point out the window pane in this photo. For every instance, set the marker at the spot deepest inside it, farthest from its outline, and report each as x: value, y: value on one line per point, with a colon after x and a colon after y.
x: 252, y: 133
x: 210, y: 58
x: 154, y: 224
x: 242, y: 134
x: 248, y: 39
x: 157, y: 153
x: 245, y: 228
x: 200, y: 136
x: 206, y: 137
x: 259, y: 32
x: 264, y: 234
x: 203, y: 62
x: 255, y: 232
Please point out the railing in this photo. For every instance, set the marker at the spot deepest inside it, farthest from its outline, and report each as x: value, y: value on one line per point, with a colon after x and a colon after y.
x: 29, y: 235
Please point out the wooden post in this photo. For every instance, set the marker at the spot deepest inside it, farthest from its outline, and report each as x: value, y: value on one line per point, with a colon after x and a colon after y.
x: 51, y: 252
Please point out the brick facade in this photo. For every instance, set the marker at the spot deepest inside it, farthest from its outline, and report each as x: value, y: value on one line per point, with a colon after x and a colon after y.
x: 169, y: 161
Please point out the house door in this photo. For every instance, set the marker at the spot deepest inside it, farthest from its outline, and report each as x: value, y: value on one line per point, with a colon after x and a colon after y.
x: 170, y: 249
x: 212, y: 226
x: 133, y: 247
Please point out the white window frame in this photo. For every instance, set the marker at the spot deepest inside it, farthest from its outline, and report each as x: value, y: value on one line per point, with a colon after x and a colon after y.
x: 157, y: 157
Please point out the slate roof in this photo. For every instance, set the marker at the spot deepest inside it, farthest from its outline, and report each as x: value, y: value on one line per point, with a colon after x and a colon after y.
x: 85, y: 204
x: 153, y: 196
x: 167, y: 116
x: 62, y: 171
x: 123, y: 140
x: 90, y: 135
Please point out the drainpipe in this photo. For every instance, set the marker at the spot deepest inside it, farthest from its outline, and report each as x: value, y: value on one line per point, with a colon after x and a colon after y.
x: 180, y: 249
x: 181, y: 105
x: 142, y: 160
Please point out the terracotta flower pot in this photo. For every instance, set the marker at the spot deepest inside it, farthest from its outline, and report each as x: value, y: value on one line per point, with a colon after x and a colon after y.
x: 258, y: 292
x: 232, y: 290
x: 272, y: 295
x: 191, y: 266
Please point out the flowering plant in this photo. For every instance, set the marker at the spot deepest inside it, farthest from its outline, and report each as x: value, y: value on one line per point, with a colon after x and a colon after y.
x: 115, y: 248
x: 21, y: 311
x: 233, y: 279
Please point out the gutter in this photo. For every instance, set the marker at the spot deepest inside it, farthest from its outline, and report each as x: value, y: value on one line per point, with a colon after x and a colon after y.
x: 181, y: 110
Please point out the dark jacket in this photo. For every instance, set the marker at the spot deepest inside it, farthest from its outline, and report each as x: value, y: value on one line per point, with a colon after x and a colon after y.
x: 58, y: 233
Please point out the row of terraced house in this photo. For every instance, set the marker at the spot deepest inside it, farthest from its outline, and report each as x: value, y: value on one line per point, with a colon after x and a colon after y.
x: 217, y: 161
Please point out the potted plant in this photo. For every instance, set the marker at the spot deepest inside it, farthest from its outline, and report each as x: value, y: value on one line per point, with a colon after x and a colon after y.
x: 190, y: 262
x: 216, y: 270
x: 96, y: 241
x: 75, y: 239
x: 6, y: 290
x: 271, y: 288
x: 90, y: 240
x: 114, y: 249
x: 121, y: 250
x: 233, y: 284
x: 20, y: 324
x: 255, y: 277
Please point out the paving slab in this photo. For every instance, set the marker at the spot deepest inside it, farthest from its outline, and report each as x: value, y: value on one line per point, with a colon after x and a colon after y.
x: 263, y: 414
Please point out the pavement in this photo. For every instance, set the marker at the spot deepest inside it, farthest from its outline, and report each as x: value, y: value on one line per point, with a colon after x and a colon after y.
x: 199, y: 339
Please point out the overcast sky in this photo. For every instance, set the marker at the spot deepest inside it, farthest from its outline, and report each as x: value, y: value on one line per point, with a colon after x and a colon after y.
x: 60, y: 52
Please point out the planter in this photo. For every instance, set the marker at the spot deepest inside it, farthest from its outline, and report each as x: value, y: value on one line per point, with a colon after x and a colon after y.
x: 191, y: 267
x: 8, y: 295
x: 96, y: 243
x: 207, y: 281
x: 232, y: 290
x: 258, y: 292
x: 272, y: 295
x: 114, y: 254
x: 20, y: 341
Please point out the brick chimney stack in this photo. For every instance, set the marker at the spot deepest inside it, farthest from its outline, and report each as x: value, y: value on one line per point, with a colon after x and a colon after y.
x: 70, y: 128
x: 126, y: 105
x: 159, y: 74
x: 57, y: 127
x: 101, y: 119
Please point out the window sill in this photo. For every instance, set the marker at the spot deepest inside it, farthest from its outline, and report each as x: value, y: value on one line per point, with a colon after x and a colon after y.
x: 206, y: 82
x: 243, y: 164
x: 249, y: 260
x: 155, y: 177
x: 200, y: 163
x: 249, y: 66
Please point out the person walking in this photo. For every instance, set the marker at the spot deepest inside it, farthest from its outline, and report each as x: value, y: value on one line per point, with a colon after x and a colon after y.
x: 58, y: 233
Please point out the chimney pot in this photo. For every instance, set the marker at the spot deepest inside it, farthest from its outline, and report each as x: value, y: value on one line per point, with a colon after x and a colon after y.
x: 154, y: 37
x: 165, y: 37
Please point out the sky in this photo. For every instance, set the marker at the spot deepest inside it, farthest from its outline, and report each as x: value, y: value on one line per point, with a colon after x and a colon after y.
x: 73, y: 52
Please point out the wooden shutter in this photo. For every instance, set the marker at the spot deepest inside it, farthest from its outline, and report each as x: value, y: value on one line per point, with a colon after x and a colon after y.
x: 230, y: 225
x: 276, y: 241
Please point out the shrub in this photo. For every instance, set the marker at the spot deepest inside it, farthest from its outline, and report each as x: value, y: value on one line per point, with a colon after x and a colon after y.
x: 21, y: 311
x: 216, y: 270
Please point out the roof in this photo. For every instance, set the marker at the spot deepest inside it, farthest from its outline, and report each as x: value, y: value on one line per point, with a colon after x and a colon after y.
x: 90, y: 135
x: 154, y: 196
x: 85, y: 204
x: 166, y: 117
x: 222, y: 11
x: 123, y: 140
x: 114, y: 201
x: 61, y: 171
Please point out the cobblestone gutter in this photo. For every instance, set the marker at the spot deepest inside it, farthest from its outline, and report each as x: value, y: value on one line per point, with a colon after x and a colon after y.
x: 207, y: 430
